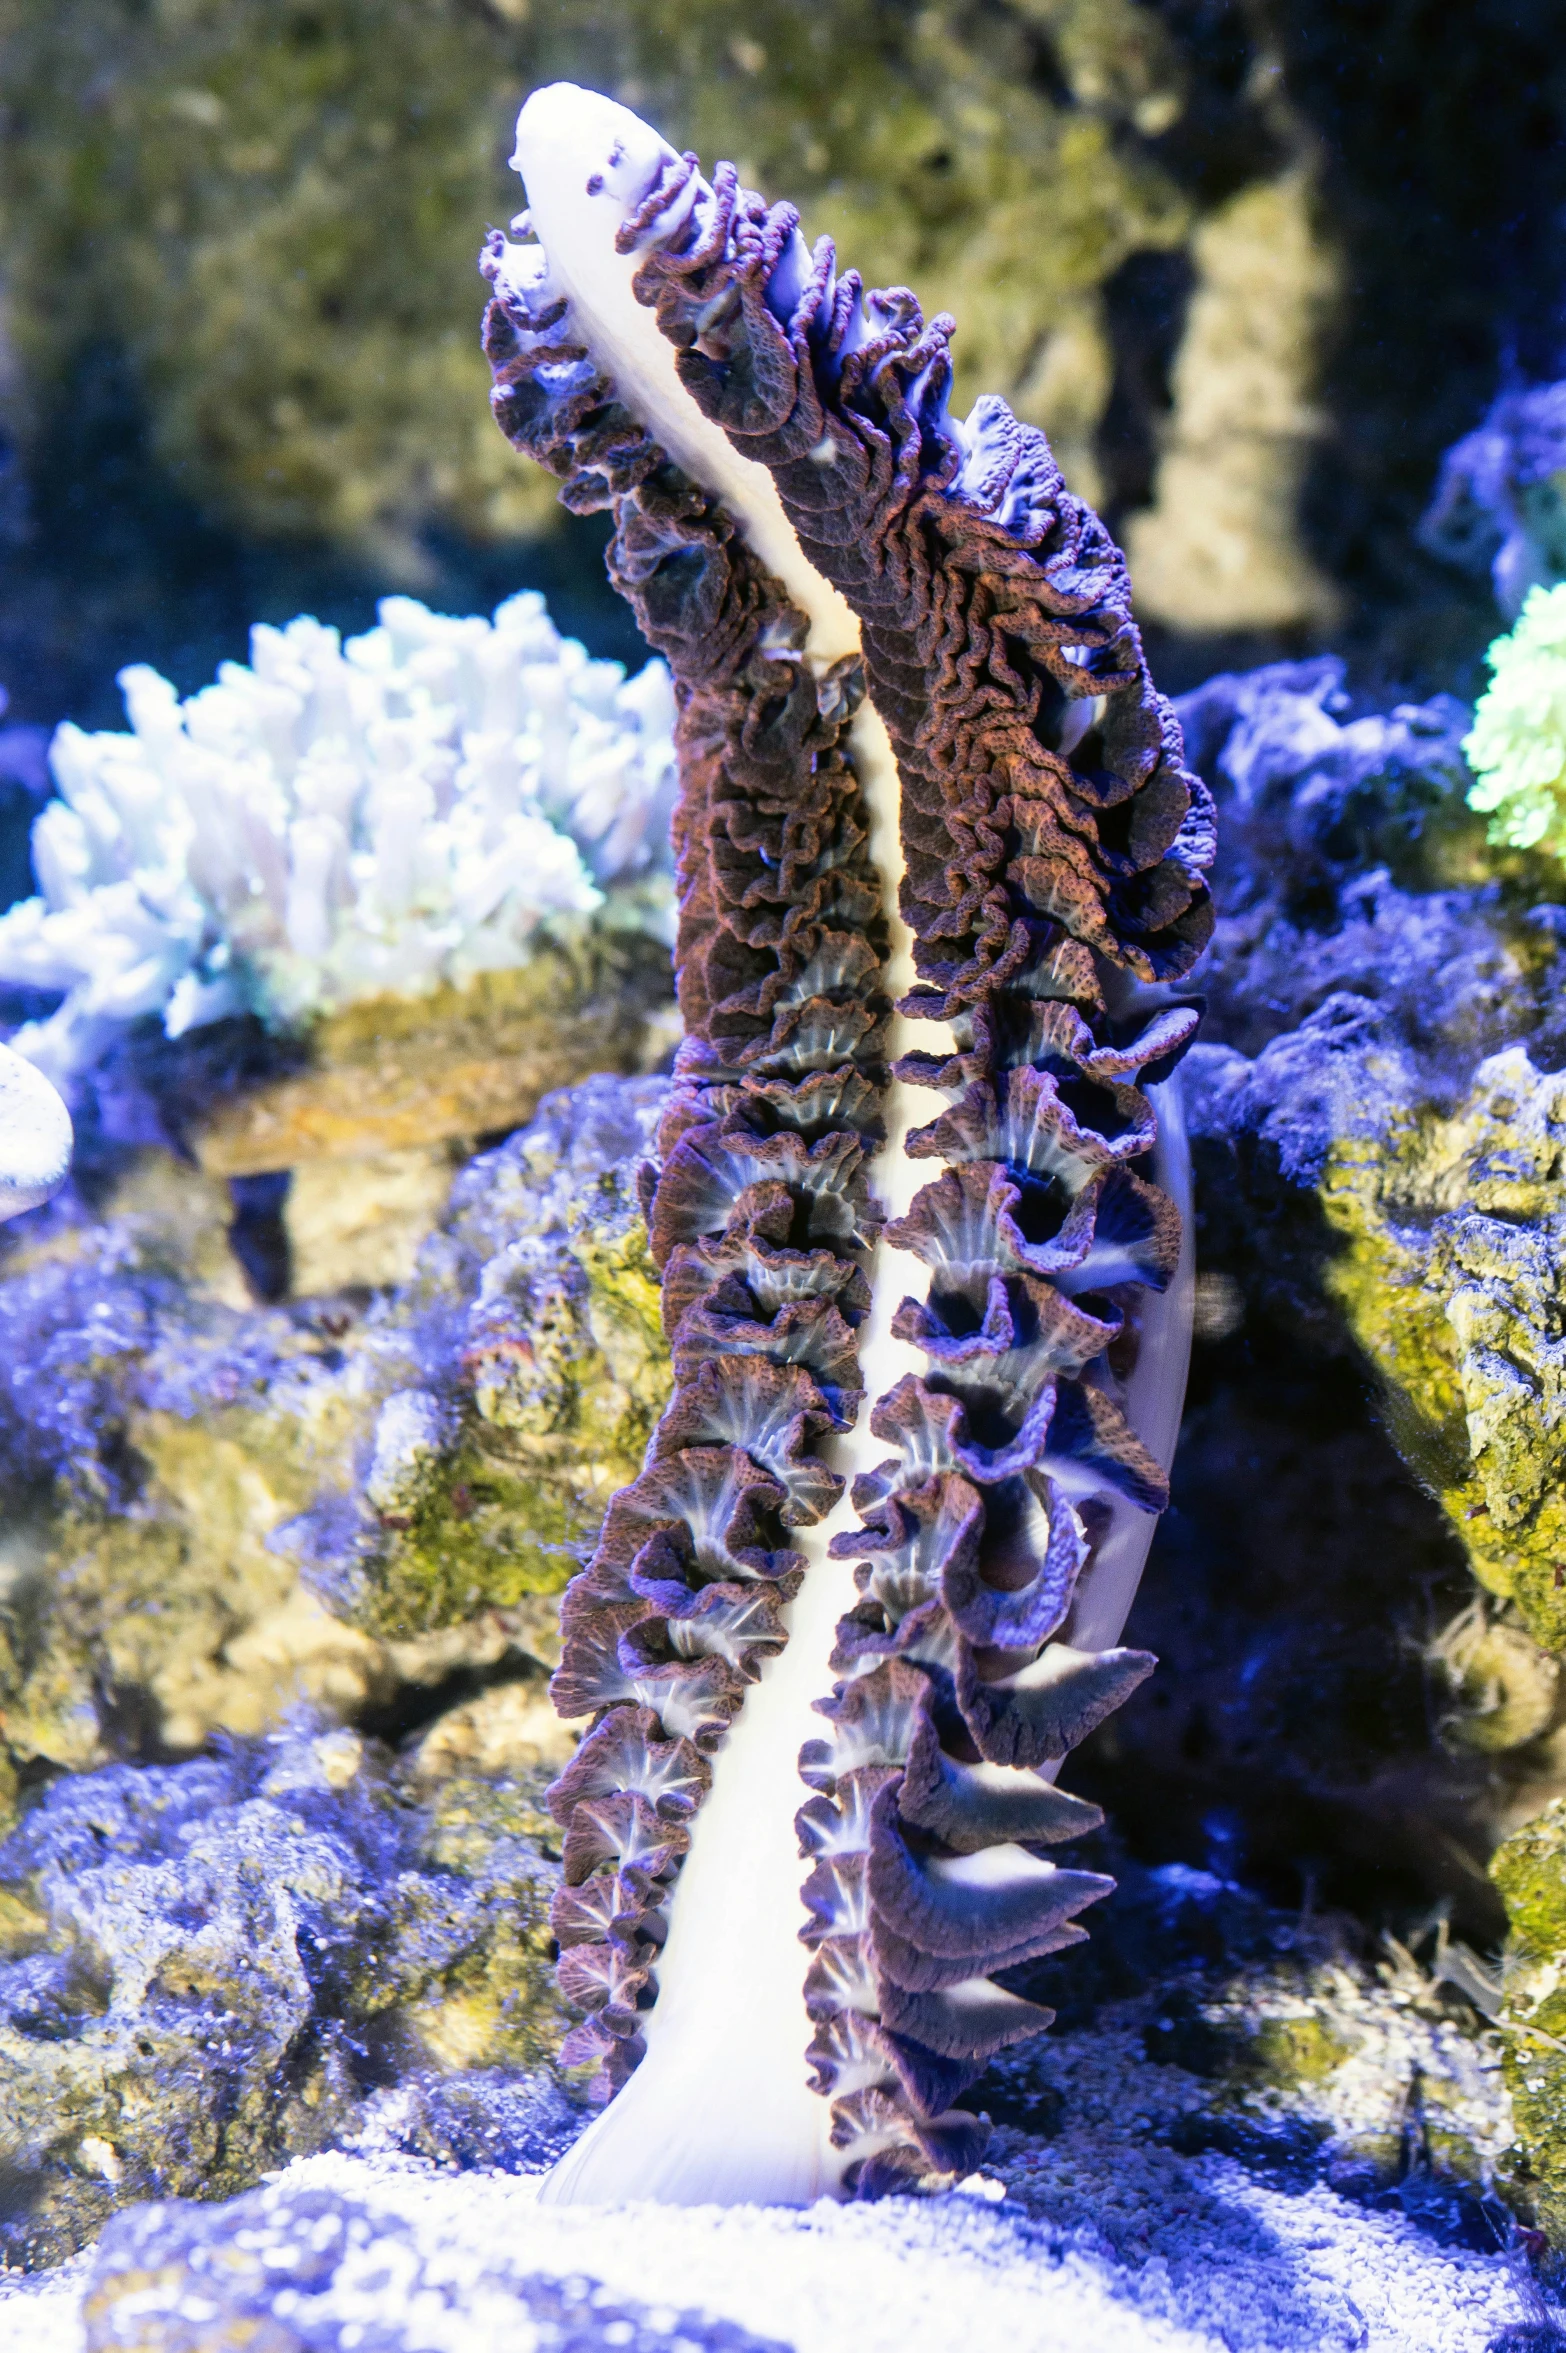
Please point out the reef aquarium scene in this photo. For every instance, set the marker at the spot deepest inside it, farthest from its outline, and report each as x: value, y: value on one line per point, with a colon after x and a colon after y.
x: 783, y: 1166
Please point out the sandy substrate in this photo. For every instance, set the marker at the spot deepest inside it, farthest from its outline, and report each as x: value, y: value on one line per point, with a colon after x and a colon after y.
x: 1237, y: 2266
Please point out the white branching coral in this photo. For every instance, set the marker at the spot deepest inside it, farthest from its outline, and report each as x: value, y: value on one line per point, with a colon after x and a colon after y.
x: 340, y: 821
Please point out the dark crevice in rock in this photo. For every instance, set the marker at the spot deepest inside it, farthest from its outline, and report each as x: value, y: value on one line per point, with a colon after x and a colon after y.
x: 1145, y: 304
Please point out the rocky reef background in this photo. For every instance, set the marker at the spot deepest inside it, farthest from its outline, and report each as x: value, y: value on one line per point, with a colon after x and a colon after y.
x: 279, y: 1575
x: 293, y: 1468
x: 1253, y: 266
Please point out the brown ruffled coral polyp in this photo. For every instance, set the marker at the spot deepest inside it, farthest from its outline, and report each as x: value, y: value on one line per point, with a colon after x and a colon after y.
x: 1043, y: 775
x: 758, y: 1214
x: 1050, y: 831
x: 1054, y: 848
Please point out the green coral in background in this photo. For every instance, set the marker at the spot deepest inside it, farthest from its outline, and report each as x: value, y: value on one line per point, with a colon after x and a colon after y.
x: 1517, y: 747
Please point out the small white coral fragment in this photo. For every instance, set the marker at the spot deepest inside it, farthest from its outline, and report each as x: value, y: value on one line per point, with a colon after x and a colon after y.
x: 341, y: 821
x: 35, y: 1137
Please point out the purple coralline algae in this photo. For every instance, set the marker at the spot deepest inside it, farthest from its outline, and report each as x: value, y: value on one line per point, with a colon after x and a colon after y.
x: 1352, y: 864
x: 326, y: 2262
x: 209, y: 1967
x: 1379, y: 1129
x: 936, y: 837
x: 1500, y: 503
x: 1376, y: 1127
x: 432, y: 1459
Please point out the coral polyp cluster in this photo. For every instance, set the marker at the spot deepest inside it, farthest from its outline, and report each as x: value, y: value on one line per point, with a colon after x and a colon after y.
x: 338, y: 822
x: 1517, y: 746
x: 1012, y: 853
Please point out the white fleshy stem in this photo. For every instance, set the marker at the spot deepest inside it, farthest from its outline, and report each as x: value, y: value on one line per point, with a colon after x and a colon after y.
x: 35, y: 1137
x: 720, y: 2111
x: 1152, y: 1398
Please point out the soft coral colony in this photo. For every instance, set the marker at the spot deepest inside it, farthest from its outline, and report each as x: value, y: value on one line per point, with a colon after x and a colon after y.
x: 341, y: 821
x: 936, y: 842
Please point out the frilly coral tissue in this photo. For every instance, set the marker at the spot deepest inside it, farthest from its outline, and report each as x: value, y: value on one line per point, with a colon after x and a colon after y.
x: 635, y: 1707
x: 995, y: 1373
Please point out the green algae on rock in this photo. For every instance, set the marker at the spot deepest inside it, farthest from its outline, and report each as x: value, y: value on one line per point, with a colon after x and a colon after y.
x: 208, y: 1968
x: 432, y: 1456
x: 1399, y: 1137
x: 142, y: 1608
x: 391, y: 1073
x: 1452, y: 1276
x: 1343, y: 1688
x: 1418, y: 1240
x: 1530, y: 1871
x: 270, y: 210
x: 482, y: 1488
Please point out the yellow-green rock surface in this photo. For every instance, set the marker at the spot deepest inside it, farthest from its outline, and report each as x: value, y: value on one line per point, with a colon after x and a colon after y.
x: 208, y: 1968
x: 275, y: 209
x: 1530, y: 1871
x: 1451, y: 1274
x: 216, y: 1510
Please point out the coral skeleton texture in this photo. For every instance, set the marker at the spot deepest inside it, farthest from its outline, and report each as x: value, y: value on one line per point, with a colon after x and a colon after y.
x: 338, y: 822
x: 940, y: 865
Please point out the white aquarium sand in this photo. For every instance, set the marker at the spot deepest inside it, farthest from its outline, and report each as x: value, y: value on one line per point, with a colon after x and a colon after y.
x: 1208, y: 2261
